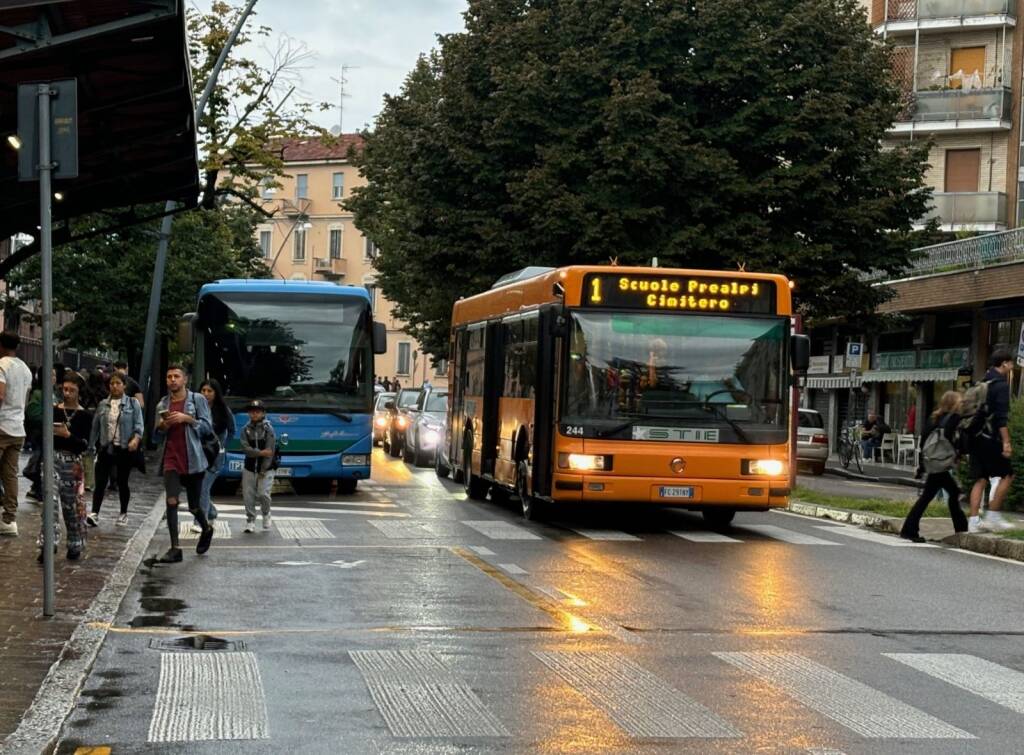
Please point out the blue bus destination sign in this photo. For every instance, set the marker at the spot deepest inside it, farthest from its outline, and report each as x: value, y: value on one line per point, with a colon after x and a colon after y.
x: 689, y: 293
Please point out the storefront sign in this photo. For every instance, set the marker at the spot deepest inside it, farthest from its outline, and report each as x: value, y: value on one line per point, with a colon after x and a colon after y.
x: 897, y: 360
x: 819, y: 366
x: 936, y: 358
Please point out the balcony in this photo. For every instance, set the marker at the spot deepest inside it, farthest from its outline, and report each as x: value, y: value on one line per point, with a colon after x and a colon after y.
x: 969, y: 254
x: 330, y: 268
x: 908, y: 16
x: 968, y: 211
x: 962, y: 111
x: 293, y: 208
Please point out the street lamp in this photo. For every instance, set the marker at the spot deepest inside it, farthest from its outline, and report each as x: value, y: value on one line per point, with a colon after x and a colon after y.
x: 15, y: 141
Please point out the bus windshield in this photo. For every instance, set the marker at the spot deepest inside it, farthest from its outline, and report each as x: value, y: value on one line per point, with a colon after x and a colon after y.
x: 291, y: 351
x: 695, y: 368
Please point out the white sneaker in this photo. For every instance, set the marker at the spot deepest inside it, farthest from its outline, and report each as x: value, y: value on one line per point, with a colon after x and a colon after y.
x: 122, y: 520
x: 196, y: 528
x: 250, y: 527
x: 8, y: 528
x: 997, y: 523
x: 266, y: 521
x: 974, y: 524
x: 92, y: 520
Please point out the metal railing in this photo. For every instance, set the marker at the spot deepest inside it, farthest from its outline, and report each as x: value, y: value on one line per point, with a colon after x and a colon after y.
x: 908, y: 10
x: 969, y: 254
x: 990, y: 104
x: 967, y: 208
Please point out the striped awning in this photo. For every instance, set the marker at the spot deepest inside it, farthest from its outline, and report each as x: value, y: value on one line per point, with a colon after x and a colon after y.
x: 831, y: 381
x: 910, y: 376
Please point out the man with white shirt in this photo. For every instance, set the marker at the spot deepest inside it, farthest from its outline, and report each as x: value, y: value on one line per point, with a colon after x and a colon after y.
x: 15, y: 385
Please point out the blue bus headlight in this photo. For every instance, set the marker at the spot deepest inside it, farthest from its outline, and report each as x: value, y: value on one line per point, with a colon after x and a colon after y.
x: 355, y: 460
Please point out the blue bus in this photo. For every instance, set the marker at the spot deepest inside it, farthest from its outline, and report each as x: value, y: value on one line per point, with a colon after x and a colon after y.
x: 306, y: 350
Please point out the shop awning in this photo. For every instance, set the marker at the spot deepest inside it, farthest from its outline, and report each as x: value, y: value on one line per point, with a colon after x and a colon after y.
x: 831, y: 381
x: 910, y: 376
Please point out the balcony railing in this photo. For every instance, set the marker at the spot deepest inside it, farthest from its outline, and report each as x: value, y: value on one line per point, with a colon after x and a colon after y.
x: 968, y: 208
x: 959, y: 105
x: 912, y: 10
x: 969, y: 254
x: 330, y: 267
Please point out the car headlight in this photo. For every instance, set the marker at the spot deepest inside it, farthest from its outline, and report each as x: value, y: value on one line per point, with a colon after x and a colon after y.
x: 401, y: 422
x: 767, y: 467
x: 355, y: 460
x: 431, y: 437
x: 584, y: 462
x: 380, y: 422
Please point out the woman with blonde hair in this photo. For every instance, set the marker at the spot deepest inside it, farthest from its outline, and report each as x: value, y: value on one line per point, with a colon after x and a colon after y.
x: 939, y: 459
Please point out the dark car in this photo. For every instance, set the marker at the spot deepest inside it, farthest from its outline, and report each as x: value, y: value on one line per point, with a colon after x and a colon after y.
x: 427, y: 430
x: 398, y: 419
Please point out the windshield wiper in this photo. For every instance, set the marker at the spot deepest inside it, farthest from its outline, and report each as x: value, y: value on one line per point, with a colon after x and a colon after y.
x: 606, y: 431
x: 717, y: 410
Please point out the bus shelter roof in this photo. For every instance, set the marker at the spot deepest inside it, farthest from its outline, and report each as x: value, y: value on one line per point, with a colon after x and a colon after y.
x: 136, y: 115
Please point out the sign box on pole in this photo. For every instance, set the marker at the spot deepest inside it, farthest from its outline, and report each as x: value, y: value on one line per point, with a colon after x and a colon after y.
x: 63, y: 129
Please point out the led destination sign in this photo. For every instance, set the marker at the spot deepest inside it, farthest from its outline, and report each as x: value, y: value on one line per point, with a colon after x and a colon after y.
x: 682, y: 293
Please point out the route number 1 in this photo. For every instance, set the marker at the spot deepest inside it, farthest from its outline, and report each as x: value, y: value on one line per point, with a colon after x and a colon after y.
x: 595, y: 291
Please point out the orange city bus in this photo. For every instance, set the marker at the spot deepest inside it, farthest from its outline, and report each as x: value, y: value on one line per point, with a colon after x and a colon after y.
x: 626, y: 384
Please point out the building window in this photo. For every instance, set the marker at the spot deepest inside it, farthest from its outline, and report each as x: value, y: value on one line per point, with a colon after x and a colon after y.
x: 265, y: 243
x: 335, y: 244
x: 372, y: 291
x: 441, y: 368
x: 301, y: 186
x: 299, y: 252
x: 369, y: 249
x: 266, y: 190
x: 338, y: 185
x: 404, y: 351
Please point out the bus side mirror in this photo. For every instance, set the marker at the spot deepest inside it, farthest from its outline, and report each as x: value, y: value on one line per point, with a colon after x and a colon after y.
x: 380, y: 338
x: 801, y: 353
x: 186, y: 332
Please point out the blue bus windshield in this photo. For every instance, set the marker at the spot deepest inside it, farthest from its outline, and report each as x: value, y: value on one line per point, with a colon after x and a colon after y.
x: 290, y: 350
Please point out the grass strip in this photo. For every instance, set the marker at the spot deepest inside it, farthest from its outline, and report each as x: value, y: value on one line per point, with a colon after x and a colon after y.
x: 881, y: 506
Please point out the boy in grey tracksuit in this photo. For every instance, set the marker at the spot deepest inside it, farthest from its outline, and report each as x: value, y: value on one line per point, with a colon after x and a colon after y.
x: 258, y: 443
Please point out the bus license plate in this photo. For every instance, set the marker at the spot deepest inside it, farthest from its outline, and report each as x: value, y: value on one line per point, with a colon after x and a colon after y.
x: 675, y: 491
x: 283, y: 472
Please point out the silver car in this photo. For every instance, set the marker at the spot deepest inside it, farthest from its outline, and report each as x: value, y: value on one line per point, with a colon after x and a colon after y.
x: 427, y: 431
x: 380, y: 417
x: 811, y: 441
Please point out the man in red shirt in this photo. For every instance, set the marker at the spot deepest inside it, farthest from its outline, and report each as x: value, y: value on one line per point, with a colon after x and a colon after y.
x: 184, y: 421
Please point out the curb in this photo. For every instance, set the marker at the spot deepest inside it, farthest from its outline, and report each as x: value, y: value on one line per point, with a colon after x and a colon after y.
x: 39, y: 728
x: 989, y: 545
x: 848, y: 475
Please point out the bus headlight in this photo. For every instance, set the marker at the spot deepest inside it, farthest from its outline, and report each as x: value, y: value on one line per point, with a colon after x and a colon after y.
x: 355, y: 460
x: 767, y: 467
x: 584, y: 462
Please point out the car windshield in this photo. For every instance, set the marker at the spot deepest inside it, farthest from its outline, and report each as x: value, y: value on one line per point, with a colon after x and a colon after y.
x: 294, y: 351
x: 382, y: 398
x: 407, y: 398
x: 676, y: 367
x: 437, y: 402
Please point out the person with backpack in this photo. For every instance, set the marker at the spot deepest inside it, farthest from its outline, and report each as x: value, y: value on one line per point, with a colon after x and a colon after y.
x: 986, y: 410
x: 939, y: 455
x: 259, y: 446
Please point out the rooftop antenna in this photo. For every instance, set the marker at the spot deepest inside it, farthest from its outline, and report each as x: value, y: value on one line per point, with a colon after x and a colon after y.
x: 342, y: 94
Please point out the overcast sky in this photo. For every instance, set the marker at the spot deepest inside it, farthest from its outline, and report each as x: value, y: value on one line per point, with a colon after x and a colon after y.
x: 381, y: 38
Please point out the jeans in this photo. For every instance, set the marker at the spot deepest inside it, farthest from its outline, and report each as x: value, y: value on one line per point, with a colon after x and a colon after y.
x: 868, y: 447
x: 10, y: 447
x: 71, y: 494
x: 174, y: 483
x: 116, y: 460
x: 932, y: 485
x: 256, y: 488
x: 205, y: 502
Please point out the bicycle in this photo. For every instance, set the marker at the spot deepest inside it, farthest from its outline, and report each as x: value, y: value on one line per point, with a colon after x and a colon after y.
x: 850, y: 448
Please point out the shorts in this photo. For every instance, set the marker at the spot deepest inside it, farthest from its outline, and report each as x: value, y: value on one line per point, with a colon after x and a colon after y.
x: 987, y: 461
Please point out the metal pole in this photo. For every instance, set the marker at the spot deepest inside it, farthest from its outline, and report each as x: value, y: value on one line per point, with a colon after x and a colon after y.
x: 160, y: 262
x: 46, y: 284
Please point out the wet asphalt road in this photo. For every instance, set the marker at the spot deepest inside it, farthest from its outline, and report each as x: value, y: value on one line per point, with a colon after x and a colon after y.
x: 406, y: 619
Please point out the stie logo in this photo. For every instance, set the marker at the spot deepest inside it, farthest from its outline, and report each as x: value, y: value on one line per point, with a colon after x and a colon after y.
x: 286, y: 419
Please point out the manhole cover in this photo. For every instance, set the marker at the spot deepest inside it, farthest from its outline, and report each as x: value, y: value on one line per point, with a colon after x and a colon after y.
x: 197, y: 642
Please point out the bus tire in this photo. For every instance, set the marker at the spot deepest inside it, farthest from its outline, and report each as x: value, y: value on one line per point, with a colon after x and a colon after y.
x: 532, y: 507
x: 347, y: 486
x: 718, y: 517
x: 476, y: 487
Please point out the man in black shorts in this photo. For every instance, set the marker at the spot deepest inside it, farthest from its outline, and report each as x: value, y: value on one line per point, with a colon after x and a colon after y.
x: 990, y: 449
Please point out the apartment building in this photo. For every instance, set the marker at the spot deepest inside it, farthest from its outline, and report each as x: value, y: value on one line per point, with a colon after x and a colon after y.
x: 310, y: 237
x: 959, y: 64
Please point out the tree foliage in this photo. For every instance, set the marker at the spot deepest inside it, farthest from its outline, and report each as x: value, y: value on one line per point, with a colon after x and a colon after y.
x: 706, y: 134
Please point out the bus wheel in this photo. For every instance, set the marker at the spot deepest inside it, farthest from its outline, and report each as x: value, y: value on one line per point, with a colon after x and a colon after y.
x: 476, y: 488
x: 533, y: 509
x: 347, y: 486
x: 718, y: 517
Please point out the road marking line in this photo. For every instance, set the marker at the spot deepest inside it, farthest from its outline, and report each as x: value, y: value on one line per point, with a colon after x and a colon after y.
x: 209, y: 696
x: 605, y: 534
x: 481, y: 550
x: 496, y: 529
x: 418, y: 696
x: 512, y: 569
x: 221, y: 531
x: 92, y: 751
x: 852, y: 704
x: 987, y: 555
x: 639, y: 702
x: 998, y: 684
x: 785, y: 535
x: 323, y: 512
x: 824, y: 751
x: 305, y: 529
x: 704, y: 537
x: 404, y: 530
x: 874, y: 537
x: 377, y: 504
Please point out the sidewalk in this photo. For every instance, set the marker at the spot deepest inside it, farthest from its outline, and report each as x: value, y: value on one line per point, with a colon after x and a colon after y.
x: 30, y: 644
x: 893, y: 474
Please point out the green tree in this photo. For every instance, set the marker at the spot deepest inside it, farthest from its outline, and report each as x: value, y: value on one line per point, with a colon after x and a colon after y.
x: 106, y: 279
x: 706, y: 134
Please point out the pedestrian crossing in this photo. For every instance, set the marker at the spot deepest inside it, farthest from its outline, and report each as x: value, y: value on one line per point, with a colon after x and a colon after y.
x: 419, y: 692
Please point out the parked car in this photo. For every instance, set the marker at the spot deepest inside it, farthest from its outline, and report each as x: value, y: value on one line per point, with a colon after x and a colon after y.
x: 811, y: 441
x: 427, y: 430
x: 398, y: 420
x: 380, y: 417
